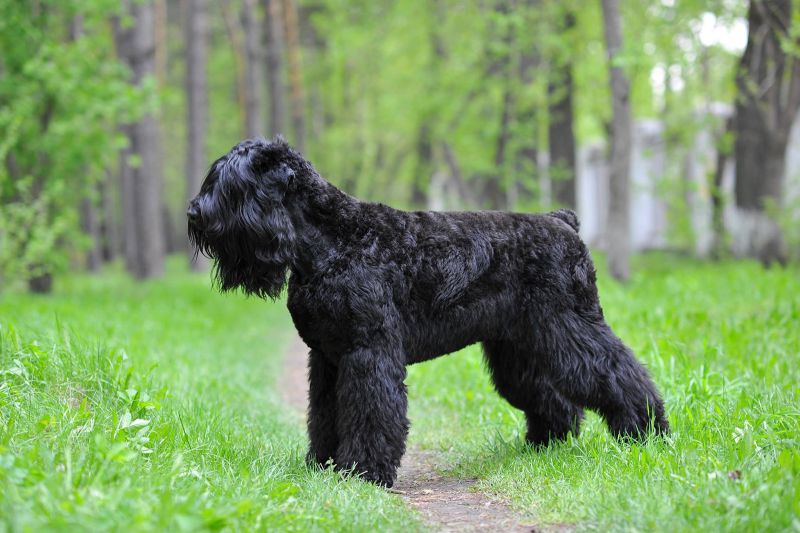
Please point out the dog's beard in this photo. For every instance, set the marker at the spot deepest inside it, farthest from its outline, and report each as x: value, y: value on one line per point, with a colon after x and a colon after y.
x: 252, y: 252
x: 257, y: 277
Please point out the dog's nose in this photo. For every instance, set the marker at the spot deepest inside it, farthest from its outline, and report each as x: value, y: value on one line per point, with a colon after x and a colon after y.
x: 193, y: 213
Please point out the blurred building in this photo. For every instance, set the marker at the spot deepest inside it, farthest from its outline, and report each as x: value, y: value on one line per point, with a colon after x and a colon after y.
x: 668, y: 183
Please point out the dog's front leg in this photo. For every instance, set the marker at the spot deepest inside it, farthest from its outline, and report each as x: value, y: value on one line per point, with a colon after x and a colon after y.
x: 371, y: 418
x: 321, y: 409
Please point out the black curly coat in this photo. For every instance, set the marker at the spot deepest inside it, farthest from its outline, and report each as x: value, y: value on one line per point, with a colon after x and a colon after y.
x: 373, y: 289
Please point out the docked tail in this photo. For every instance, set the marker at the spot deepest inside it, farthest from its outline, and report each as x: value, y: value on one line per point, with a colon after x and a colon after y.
x: 568, y: 216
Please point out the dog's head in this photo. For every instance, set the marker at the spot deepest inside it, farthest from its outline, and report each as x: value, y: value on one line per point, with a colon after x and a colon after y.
x: 240, y: 220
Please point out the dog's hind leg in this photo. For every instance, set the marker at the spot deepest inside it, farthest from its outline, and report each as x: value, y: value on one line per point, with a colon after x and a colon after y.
x: 591, y: 366
x: 550, y: 416
x: 323, y: 440
x: 371, y: 418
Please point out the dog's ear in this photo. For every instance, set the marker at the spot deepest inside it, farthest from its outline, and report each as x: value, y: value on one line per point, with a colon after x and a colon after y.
x: 282, y: 178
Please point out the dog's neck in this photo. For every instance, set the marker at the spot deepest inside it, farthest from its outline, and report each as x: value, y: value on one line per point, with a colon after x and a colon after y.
x: 321, y: 215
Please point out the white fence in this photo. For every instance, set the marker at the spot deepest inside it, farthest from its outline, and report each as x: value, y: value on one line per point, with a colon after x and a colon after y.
x: 651, y: 167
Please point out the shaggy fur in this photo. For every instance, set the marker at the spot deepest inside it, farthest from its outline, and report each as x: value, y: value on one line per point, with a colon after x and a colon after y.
x: 373, y: 289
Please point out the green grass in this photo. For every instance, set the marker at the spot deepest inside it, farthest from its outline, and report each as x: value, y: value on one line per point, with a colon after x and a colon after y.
x: 150, y: 407
x: 723, y: 344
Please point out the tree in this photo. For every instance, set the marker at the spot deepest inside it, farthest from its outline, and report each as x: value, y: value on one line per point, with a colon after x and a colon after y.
x: 253, y: 51
x: 196, y: 105
x: 236, y: 40
x: 618, y: 234
x: 526, y: 157
x: 495, y: 193
x: 274, y: 70
x: 90, y: 223
x: 425, y: 164
x: 141, y: 169
x: 768, y: 81
x: 297, y: 92
x: 61, y: 95
x: 560, y: 91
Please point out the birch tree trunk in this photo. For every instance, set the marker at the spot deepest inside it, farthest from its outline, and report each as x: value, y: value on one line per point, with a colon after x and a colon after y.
x: 618, y: 234
x: 141, y: 175
x: 196, y: 107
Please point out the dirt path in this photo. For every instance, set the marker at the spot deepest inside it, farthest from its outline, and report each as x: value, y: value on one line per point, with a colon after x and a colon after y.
x: 445, y: 504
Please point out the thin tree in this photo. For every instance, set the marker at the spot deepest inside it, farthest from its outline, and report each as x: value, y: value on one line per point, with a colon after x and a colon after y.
x: 529, y: 180
x: 561, y: 134
x: 141, y: 167
x: 297, y: 90
x: 236, y: 40
x: 618, y: 233
x: 90, y: 221
x: 768, y: 82
x: 196, y: 105
x: 494, y: 190
x: 253, y: 77
x: 274, y: 62
x: 425, y: 164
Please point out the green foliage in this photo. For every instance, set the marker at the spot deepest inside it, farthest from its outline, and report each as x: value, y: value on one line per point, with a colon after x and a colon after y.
x: 385, y: 70
x: 727, y: 363
x: 377, y: 75
x: 61, y: 96
x: 133, y: 407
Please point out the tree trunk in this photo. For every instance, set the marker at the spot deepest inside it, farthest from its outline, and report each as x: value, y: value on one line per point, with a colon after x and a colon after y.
x: 424, y: 147
x: 768, y: 83
x: 142, y: 215
x: 196, y: 107
x: 297, y: 92
x: 254, y: 125
x: 235, y: 38
x: 274, y: 70
x: 495, y: 185
x: 424, y: 168
x: 493, y: 190
x: 112, y: 244
x: 90, y: 225
x: 528, y: 183
x: 560, y: 91
x: 41, y: 283
x: 619, y: 247
x: 128, y: 202
x: 717, y: 197
x: 314, y: 45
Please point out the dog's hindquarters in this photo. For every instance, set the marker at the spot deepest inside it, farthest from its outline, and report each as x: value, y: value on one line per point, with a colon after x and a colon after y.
x: 592, y: 367
x: 570, y: 344
x: 549, y: 415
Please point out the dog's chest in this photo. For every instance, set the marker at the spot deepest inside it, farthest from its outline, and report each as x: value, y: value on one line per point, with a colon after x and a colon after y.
x: 321, y: 320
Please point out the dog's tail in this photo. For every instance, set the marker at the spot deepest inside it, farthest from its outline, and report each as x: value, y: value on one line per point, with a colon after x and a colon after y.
x: 568, y: 216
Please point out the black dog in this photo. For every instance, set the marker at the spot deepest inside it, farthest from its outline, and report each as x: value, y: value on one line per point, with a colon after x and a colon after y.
x: 373, y: 289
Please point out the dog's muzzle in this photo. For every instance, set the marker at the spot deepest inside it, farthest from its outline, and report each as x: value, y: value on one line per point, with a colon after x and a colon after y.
x: 193, y: 213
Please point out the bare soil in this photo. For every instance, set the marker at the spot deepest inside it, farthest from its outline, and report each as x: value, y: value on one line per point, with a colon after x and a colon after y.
x: 445, y: 504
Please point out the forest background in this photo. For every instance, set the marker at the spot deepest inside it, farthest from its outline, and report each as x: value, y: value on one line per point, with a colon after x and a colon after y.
x: 111, y: 112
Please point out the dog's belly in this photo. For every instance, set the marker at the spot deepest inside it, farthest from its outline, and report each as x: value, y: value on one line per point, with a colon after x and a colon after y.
x: 425, y: 340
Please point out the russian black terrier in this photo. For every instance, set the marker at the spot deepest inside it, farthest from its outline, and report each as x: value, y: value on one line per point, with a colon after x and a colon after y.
x: 373, y: 289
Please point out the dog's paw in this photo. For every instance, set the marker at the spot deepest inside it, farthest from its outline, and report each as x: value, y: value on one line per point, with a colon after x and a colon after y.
x: 383, y: 477
x: 385, y: 481
x: 313, y: 460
